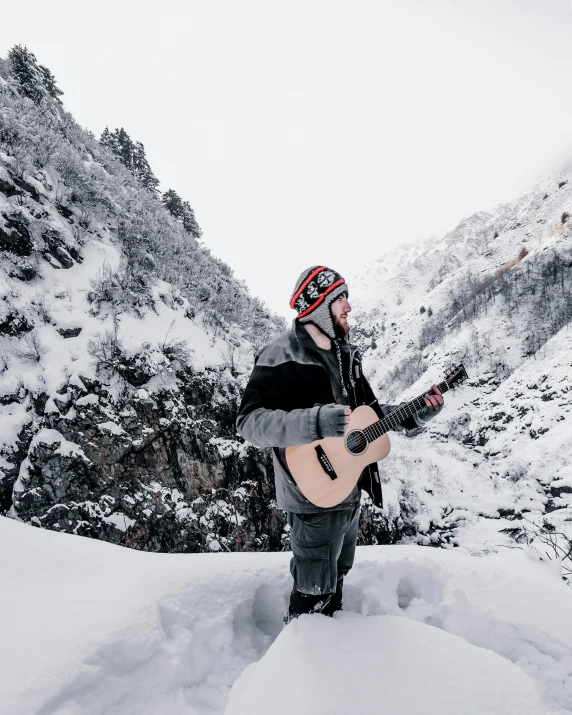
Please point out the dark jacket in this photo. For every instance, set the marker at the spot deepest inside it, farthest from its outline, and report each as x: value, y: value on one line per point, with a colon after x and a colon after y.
x: 290, y: 380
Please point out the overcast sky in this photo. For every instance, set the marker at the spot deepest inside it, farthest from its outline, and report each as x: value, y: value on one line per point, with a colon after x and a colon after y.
x: 318, y: 131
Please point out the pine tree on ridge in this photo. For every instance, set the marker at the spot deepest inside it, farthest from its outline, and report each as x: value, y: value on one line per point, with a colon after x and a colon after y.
x: 132, y: 155
x: 35, y: 80
x: 173, y: 203
x: 190, y: 223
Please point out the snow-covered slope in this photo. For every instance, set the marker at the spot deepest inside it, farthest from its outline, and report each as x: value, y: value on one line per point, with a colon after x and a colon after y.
x: 496, y: 295
x: 90, y: 628
x: 124, y: 346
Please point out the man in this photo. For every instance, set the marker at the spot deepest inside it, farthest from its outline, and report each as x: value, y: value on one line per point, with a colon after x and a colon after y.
x: 303, y: 388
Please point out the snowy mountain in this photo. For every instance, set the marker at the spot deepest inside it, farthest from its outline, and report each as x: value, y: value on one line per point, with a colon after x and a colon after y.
x: 91, y: 629
x: 124, y: 346
x: 124, y: 349
x: 495, y: 294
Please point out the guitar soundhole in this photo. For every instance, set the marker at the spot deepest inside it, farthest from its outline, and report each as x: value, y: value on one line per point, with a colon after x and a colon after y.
x: 356, y: 442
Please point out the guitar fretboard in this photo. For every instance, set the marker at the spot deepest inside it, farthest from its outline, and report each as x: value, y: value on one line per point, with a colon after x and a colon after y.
x: 397, y: 416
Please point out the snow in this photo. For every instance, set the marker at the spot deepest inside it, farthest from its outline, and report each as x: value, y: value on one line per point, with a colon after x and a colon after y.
x: 225, y: 446
x: 111, y: 427
x: 87, y: 627
x: 166, y: 324
x: 91, y: 628
x: 338, y: 668
x: 502, y: 444
x: 13, y: 417
x: 119, y: 520
x: 63, y: 295
x: 90, y: 399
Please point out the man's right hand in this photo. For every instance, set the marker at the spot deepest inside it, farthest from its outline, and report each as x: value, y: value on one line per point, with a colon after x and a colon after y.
x: 333, y: 420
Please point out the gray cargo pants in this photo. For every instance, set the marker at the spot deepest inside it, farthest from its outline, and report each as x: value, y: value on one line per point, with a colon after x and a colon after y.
x: 323, y: 547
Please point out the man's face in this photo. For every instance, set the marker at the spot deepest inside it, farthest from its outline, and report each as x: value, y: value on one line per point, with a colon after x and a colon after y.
x: 340, y: 309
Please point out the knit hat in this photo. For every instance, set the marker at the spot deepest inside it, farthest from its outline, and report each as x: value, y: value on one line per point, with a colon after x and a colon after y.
x: 316, y: 289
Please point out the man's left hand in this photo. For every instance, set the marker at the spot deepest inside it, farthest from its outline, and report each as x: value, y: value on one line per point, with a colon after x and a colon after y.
x: 433, y: 405
x: 434, y: 401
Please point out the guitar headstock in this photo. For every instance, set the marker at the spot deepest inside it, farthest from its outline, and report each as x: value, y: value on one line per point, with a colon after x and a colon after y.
x: 455, y: 376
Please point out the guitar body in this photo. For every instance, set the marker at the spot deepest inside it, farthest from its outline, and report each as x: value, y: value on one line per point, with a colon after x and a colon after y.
x: 326, y: 471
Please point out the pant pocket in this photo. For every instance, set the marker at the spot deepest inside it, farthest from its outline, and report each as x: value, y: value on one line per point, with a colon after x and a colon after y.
x: 310, y: 566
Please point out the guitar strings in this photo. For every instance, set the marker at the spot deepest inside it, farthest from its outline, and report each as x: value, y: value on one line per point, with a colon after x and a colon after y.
x: 382, y: 426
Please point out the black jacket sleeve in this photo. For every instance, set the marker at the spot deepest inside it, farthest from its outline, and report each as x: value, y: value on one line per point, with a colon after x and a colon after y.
x: 262, y: 418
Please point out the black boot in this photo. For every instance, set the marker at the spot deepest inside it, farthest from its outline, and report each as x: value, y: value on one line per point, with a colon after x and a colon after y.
x: 309, y: 603
x: 335, y: 601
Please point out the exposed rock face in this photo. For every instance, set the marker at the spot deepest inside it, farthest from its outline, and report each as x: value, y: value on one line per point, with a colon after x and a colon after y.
x: 118, y: 458
x: 122, y: 345
x: 15, y: 235
x: 12, y: 323
x: 160, y: 472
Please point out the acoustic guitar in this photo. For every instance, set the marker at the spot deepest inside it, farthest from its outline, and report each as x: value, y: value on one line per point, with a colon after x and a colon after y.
x: 327, y: 470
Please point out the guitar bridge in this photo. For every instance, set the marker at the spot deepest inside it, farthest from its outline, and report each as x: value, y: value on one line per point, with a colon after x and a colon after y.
x: 325, y: 462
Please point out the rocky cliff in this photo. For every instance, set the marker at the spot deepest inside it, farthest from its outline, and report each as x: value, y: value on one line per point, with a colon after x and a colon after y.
x: 124, y: 347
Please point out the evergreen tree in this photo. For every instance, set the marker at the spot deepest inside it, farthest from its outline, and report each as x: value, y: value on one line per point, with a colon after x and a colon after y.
x: 36, y: 81
x: 125, y: 148
x: 142, y: 169
x: 190, y: 223
x: 132, y: 154
x: 109, y: 139
x: 173, y: 203
x: 49, y: 82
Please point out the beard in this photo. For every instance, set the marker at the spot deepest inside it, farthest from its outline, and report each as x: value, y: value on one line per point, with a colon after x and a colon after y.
x: 341, y: 327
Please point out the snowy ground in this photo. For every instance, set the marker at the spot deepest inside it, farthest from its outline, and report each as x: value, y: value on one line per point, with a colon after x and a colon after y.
x: 91, y: 628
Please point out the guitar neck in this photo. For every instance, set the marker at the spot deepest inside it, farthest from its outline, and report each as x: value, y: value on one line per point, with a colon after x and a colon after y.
x: 397, y: 416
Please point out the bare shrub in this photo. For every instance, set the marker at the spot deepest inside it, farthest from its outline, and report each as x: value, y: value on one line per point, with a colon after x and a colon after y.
x: 554, y: 228
x: 235, y: 357
x: 544, y: 538
x: 406, y: 372
x: 176, y: 350
x: 105, y: 349
x: 120, y: 288
x: 43, y: 305
x: 515, y: 261
x: 4, y: 359
x: 29, y: 347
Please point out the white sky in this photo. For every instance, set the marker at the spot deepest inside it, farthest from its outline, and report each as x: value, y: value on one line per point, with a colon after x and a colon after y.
x: 318, y: 131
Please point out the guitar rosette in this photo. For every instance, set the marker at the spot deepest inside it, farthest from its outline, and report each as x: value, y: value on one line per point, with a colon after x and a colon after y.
x: 356, y: 442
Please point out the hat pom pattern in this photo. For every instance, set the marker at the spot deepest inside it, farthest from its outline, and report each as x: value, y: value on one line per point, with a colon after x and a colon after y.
x: 316, y: 289
x: 318, y: 284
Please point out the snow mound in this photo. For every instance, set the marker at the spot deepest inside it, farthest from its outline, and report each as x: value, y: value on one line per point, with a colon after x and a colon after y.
x: 89, y: 628
x: 382, y: 664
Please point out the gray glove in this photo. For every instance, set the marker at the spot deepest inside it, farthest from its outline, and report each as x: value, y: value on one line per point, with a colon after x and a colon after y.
x: 332, y: 420
x: 429, y: 411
